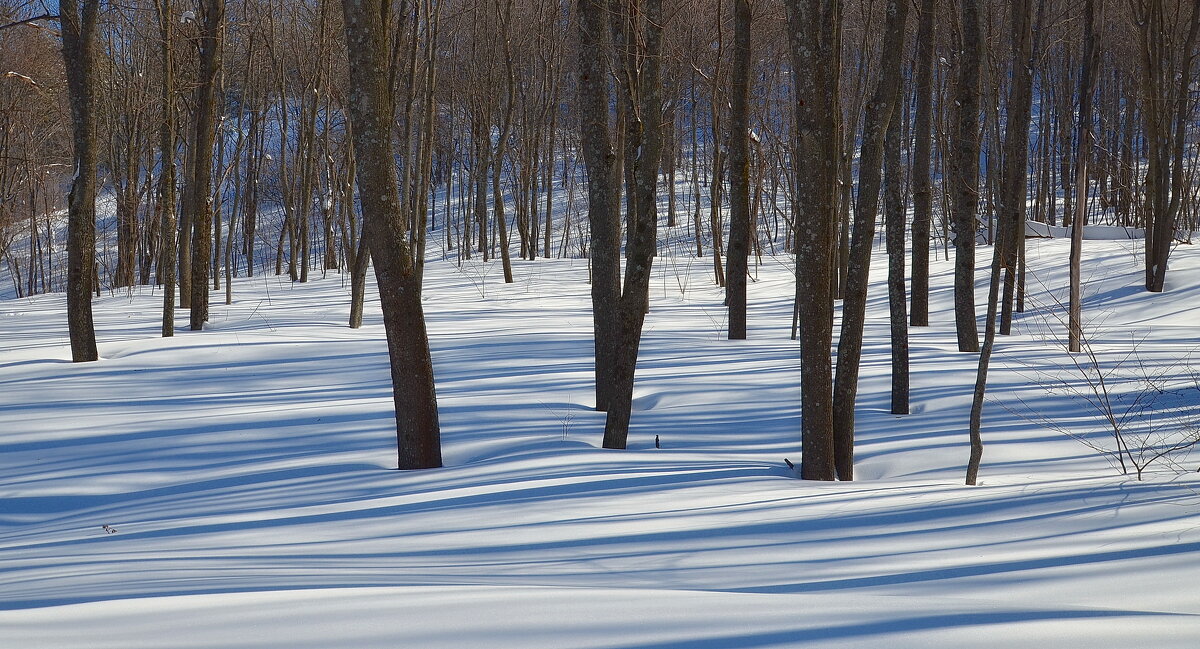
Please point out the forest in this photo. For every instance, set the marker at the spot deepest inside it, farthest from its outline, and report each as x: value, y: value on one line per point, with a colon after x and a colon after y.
x: 845, y: 241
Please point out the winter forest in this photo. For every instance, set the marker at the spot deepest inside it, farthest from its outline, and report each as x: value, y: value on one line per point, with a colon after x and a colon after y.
x: 599, y: 323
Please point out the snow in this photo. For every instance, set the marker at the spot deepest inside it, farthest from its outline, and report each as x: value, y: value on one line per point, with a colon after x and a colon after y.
x: 248, y: 473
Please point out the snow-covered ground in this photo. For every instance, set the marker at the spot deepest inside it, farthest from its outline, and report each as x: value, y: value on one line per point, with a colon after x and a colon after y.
x: 247, y: 474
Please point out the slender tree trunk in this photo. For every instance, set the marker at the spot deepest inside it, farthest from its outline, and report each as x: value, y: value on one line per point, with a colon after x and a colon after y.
x: 964, y: 175
x: 1087, y: 82
x: 739, y: 173
x: 1014, y: 183
x: 893, y: 215
x: 921, y: 179
x: 166, y: 177
x: 880, y: 112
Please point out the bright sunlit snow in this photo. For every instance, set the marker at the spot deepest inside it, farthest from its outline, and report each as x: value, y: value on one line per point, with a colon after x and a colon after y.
x: 245, y: 475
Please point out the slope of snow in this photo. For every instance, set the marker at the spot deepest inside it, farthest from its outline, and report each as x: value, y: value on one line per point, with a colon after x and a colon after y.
x: 247, y: 471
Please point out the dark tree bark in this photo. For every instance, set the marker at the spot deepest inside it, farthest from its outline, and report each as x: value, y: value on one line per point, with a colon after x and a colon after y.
x: 199, y: 182
x: 738, y: 254
x: 814, y: 40
x: 418, y: 437
x: 600, y: 159
x: 80, y: 51
x: 879, y: 112
x: 921, y: 180
x: 964, y: 175
x: 1014, y: 187
x: 642, y: 81
x: 166, y: 177
x: 893, y: 220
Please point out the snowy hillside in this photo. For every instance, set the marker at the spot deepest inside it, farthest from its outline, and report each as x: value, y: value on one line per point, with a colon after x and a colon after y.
x: 245, y: 475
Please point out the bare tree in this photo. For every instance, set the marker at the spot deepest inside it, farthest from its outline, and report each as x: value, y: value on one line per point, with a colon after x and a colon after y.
x: 385, y: 227
x: 80, y: 53
x: 814, y: 39
x: 738, y: 254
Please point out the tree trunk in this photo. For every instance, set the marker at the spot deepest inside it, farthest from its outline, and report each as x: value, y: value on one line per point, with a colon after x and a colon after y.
x: 879, y: 114
x: 418, y: 437
x: 921, y: 179
x: 964, y: 176
x: 600, y: 159
x: 739, y: 174
x: 814, y: 40
x: 893, y: 219
x: 80, y: 50
x: 1087, y: 82
x: 199, y: 194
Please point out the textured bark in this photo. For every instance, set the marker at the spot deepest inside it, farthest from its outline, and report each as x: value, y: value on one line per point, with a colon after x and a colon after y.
x: 921, y: 179
x: 814, y: 41
x: 166, y: 178
x: 1014, y: 186
x: 642, y: 79
x: 199, y: 193
x: 893, y: 219
x: 964, y: 175
x: 80, y: 51
x: 879, y: 112
x: 738, y: 254
x: 418, y: 438
x: 600, y: 159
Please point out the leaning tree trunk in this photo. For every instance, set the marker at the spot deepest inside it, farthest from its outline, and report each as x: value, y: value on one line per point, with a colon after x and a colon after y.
x: 418, y: 437
x: 879, y: 113
x: 80, y: 50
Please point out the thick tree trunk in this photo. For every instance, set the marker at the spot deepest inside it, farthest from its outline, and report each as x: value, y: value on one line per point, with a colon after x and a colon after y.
x: 814, y: 40
x: 600, y: 159
x: 80, y: 50
x: 418, y: 437
x: 199, y: 194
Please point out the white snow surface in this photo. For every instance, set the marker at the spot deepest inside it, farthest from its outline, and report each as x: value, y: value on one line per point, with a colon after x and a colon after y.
x: 248, y: 473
